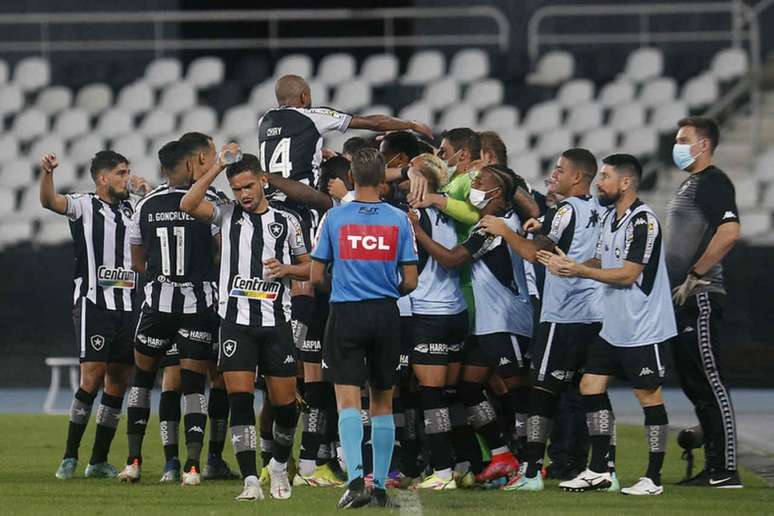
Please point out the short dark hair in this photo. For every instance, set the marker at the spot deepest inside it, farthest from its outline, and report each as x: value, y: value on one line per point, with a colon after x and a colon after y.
x: 248, y: 163
x: 425, y: 147
x: 354, y: 144
x: 193, y: 142
x: 584, y: 160
x: 169, y: 155
x: 490, y: 140
x: 367, y: 167
x: 625, y: 164
x: 402, y: 141
x: 105, y: 160
x: 464, y: 138
x: 335, y: 167
x: 705, y: 127
x: 508, y: 179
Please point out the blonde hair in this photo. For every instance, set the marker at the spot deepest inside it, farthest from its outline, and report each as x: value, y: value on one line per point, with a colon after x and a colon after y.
x: 434, y: 169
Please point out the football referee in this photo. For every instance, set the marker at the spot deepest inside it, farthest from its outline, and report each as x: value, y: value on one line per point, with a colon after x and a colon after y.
x: 702, y: 226
x: 370, y: 246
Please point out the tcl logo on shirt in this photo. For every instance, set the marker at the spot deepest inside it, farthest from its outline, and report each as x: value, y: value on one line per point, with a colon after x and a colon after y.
x: 367, y: 242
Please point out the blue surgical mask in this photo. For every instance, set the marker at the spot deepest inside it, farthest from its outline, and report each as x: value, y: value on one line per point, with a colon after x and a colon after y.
x: 681, y: 155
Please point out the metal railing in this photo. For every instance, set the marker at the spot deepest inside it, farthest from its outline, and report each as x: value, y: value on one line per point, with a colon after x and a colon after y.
x: 499, y: 36
x: 743, y: 27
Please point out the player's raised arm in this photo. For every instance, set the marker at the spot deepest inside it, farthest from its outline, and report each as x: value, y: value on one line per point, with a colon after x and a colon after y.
x: 49, y: 199
x: 388, y: 123
x: 193, y: 202
x: 300, y: 193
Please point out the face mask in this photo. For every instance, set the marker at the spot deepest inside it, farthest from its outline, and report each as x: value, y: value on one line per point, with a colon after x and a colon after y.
x: 681, y: 155
x: 478, y: 197
x: 452, y: 169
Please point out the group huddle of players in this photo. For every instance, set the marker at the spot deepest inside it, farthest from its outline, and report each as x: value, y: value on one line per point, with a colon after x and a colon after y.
x: 512, y: 305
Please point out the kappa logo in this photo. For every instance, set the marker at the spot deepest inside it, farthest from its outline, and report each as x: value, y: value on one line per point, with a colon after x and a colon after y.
x: 688, y: 329
x: 229, y: 348
x: 640, y: 221
x: 646, y: 371
x: 323, y: 365
x: 289, y: 359
x: 729, y: 215
x: 97, y: 342
x: 276, y: 229
x: 196, y: 429
x: 504, y: 361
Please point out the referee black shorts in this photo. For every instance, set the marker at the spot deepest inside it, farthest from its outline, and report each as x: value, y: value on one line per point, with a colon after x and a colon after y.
x: 362, y: 343
x: 643, y: 366
x: 559, y: 353
x: 103, y: 335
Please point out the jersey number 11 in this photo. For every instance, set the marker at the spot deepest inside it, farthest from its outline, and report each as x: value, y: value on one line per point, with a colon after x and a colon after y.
x: 163, y: 235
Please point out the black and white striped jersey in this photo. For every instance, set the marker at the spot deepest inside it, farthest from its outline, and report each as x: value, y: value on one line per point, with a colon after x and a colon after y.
x: 103, y: 260
x: 245, y: 295
x: 290, y: 142
x: 179, y: 252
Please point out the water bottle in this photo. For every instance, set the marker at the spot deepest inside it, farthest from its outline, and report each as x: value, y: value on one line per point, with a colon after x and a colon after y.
x: 231, y: 157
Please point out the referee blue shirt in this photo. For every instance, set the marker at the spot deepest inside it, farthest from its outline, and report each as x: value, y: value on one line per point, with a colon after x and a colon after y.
x: 366, y: 242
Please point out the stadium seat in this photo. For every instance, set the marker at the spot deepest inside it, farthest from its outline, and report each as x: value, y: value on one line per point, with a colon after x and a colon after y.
x: 643, y: 64
x: 469, y: 65
x: 335, y: 69
x: 377, y: 109
x: 600, y: 141
x: 553, y: 142
x: 11, y: 99
x: 48, y: 144
x: 641, y: 141
x: 552, y: 69
x: 574, y: 92
x: 148, y: 168
x: 584, y: 117
x: 627, y: 116
x: 3, y: 71
x: 16, y: 173
x: 83, y: 149
x: 71, y: 123
x: 295, y: 64
x: 163, y: 71
x: 701, y: 91
x: 615, y: 93
x: 729, y: 63
x: 203, y: 119
x: 755, y: 223
x: 516, y: 140
x: 657, y: 91
x: 665, y: 116
x: 65, y: 176
x: 424, y: 67
x: 747, y: 191
x: 262, y: 96
x: 94, y: 98
x: 30, y: 124
x: 527, y: 166
x: 542, y: 117
x: 485, y: 93
x: 205, y: 72
x: 136, y: 98
x: 500, y: 117
x: 177, y: 98
x: 54, y: 99
x: 9, y: 147
x: 53, y: 232
x: 317, y: 89
x: 131, y: 145
x: 113, y: 123
x: 248, y: 143
x: 239, y: 120
x: 442, y: 93
x: 13, y: 231
x: 418, y: 110
x: 764, y: 166
x: 379, y: 69
x: 7, y: 205
x: 457, y: 115
x: 32, y: 74
x: 335, y: 140
x: 352, y: 95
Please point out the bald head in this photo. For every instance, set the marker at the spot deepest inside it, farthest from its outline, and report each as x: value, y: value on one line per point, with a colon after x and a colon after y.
x: 292, y: 90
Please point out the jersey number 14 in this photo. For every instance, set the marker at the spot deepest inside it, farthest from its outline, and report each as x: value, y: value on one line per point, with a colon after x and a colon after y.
x: 279, y: 163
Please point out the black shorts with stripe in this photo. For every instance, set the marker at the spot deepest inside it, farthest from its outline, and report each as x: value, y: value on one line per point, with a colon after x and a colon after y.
x: 643, y: 366
x: 245, y: 348
x: 171, y: 356
x: 103, y: 335
x: 505, y: 353
x: 156, y: 332
x: 559, y: 353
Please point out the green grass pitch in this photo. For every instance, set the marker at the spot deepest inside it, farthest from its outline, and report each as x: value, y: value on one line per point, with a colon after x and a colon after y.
x: 32, y: 447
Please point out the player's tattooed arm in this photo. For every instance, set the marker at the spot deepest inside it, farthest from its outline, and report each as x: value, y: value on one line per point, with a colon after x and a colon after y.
x: 447, y: 258
x: 193, y: 202
x: 49, y: 198
x: 527, y: 249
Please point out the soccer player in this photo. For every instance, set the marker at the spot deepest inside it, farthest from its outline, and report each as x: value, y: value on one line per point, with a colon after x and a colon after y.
x: 439, y: 327
x: 102, y: 301
x: 176, y: 253
x: 571, y: 312
x: 638, y: 320
x: 372, y: 251
x: 261, y: 250
x: 702, y: 226
x: 503, y: 321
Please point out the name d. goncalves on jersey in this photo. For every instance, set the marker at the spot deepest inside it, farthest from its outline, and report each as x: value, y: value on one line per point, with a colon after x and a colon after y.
x: 254, y: 288
x: 115, y: 278
x: 368, y: 242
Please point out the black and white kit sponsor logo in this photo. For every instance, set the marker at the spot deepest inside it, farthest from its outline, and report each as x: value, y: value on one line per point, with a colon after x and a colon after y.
x: 97, y: 342
x: 434, y: 348
x: 229, y: 348
x: 152, y: 342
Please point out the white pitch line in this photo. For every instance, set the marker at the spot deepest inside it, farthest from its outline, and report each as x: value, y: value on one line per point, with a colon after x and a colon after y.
x: 409, y: 503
